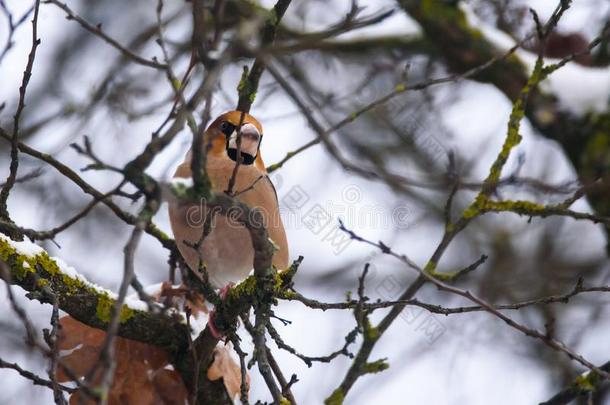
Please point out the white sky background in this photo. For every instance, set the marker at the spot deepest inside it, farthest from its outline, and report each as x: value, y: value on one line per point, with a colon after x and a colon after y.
x: 463, y: 366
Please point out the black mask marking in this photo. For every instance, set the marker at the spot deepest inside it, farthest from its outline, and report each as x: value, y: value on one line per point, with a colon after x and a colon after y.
x: 246, y: 159
x: 227, y: 129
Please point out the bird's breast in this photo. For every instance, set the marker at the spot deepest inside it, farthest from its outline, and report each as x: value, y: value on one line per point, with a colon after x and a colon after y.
x: 227, y: 250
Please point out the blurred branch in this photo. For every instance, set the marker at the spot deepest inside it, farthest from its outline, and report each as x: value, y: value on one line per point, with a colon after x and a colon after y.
x: 97, y: 31
x: 583, y: 385
x: 464, y: 46
x: 248, y: 85
x: 70, y: 174
x: 52, y: 233
x: 351, y: 22
x: 357, y: 46
x: 27, y: 177
x: 107, y: 356
x: 400, y: 88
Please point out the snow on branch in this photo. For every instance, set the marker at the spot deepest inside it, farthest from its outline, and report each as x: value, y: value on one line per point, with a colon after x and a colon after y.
x: 32, y: 268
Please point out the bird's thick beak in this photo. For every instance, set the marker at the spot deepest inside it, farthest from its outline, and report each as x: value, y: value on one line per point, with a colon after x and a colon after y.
x: 250, y: 140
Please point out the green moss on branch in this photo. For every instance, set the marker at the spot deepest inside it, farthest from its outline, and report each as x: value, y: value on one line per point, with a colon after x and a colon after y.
x: 87, y: 303
x: 376, y: 366
x: 336, y: 398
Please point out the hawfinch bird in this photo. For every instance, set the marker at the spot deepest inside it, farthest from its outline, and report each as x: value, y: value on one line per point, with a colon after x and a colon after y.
x: 227, y: 250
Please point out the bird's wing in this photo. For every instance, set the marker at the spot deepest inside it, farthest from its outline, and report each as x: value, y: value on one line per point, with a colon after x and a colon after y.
x: 273, y: 187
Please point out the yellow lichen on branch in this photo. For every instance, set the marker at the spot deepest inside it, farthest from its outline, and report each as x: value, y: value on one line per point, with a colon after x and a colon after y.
x: 34, y: 270
x: 482, y: 202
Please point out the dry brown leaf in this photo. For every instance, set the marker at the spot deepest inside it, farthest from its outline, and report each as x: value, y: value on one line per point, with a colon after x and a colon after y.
x: 141, y: 375
x: 228, y: 369
x: 168, y: 385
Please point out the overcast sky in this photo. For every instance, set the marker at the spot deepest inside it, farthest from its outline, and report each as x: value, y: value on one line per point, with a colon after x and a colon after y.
x: 458, y: 363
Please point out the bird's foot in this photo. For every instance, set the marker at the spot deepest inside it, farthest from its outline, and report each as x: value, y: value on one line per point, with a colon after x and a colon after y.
x: 224, y: 291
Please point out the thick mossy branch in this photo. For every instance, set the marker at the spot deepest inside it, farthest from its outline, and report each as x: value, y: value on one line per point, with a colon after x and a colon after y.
x: 483, y: 203
x: 249, y: 293
x: 32, y: 269
x: 84, y: 301
x: 376, y: 366
x: 465, y: 47
x: 92, y: 305
x: 531, y: 209
x: 583, y: 384
x: 513, y: 138
x: 336, y: 398
x: 584, y: 138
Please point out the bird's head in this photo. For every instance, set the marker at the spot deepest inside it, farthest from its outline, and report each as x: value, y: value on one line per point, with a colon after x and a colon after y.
x: 222, y: 137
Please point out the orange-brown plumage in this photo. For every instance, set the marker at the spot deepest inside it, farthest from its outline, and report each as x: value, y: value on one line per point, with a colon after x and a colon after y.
x: 227, y: 251
x: 142, y: 375
x: 218, y: 144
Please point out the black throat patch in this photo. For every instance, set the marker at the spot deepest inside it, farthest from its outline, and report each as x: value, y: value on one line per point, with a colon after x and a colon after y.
x: 246, y: 159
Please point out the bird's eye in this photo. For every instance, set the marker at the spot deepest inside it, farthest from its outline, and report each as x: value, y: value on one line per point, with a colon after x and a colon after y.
x: 227, y: 128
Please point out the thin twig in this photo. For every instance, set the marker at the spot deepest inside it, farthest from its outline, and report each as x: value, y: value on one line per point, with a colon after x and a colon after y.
x: 36, y: 380
x: 97, y: 31
x: 27, y: 74
x: 543, y: 337
x: 107, y: 359
x: 249, y: 85
x: 12, y: 26
x: 52, y: 339
x: 70, y: 174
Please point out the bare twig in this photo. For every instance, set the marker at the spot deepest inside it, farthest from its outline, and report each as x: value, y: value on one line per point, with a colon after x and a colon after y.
x: 52, y: 339
x: 97, y: 31
x: 309, y: 360
x: 88, y: 189
x: 12, y: 26
x: 243, y: 389
x: 438, y: 309
x: 27, y: 74
x: 107, y: 351
x: 36, y: 380
x: 543, y: 337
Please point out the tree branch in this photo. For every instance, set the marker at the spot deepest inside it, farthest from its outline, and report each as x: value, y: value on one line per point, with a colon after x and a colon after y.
x: 248, y: 85
x: 32, y: 268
